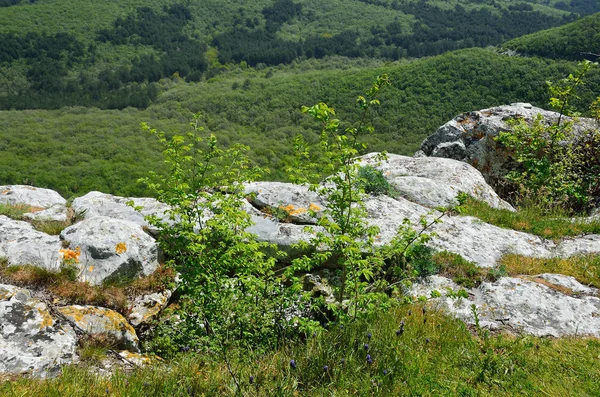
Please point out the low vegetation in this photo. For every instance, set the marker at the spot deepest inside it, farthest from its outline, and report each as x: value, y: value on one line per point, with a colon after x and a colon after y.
x: 532, y: 219
x: 585, y: 269
x: 407, y: 350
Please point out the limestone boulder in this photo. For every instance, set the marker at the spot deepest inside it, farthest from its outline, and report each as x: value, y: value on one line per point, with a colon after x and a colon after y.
x: 42, y: 204
x: 32, y: 342
x: 30, y: 196
x: 102, y: 204
x: 111, y: 249
x: 469, y: 137
x: 21, y: 244
x: 104, y: 324
x: 56, y: 213
x: 434, y: 182
x: 521, y: 305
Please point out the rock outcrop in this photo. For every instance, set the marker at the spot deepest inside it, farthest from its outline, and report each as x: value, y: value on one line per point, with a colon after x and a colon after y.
x: 469, y: 137
x: 555, y: 306
x: 41, y: 204
x: 110, y: 241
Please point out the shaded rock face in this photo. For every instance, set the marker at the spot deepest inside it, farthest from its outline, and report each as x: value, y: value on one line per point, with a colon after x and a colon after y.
x: 21, y: 244
x: 31, y: 341
x: 523, y: 305
x: 43, y: 204
x: 469, y: 137
x: 103, y: 323
x: 111, y: 249
x: 434, y: 182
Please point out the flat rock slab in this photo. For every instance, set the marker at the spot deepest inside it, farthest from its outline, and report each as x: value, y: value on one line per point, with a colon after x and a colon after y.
x: 30, y: 196
x: 111, y: 249
x: 100, y: 322
x: 520, y: 305
x: 102, y: 204
x: 31, y: 341
x: 434, y: 182
x: 21, y: 244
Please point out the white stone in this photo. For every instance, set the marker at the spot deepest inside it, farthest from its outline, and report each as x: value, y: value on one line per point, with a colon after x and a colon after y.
x: 111, y: 249
x: 31, y: 341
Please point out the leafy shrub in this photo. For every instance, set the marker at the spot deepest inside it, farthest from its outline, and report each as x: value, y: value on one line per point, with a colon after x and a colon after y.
x: 372, y: 181
x: 556, y: 168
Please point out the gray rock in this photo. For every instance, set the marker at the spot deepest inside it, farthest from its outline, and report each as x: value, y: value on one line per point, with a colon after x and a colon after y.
x: 103, y: 323
x: 434, y: 182
x: 147, y: 307
x: 568, y: 282
x: 476, y: 132
x: 583, y: 245
x: 30, y: 196
x: 521, y: 305
x: 56, y: 213
x: 31, y: 341
x: 111, y: 249
x: 101, y: 204
x: 21, y: 244
x: 296, y: 200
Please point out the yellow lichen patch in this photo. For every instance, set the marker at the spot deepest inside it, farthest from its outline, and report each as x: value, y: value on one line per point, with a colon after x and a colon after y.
x: 121, y: 248
x: 314, y: 207
x: 47, y: 320
x: 292, y: 210
x: 91, y: 269
x: 70, y: 256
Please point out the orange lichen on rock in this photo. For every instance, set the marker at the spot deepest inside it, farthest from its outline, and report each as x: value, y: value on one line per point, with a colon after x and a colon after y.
x: 69, y: 255
x: 292, y: 210
x: 121, y: 248
x: 314, y: 207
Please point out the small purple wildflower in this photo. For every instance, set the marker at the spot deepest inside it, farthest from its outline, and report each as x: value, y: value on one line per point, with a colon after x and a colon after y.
x: 366, y: 346
x: 400, y: 331
x: 325, y: 368
x: 369, y: 359
x: 186, y: 348
x: 426, y: 340
x: 251, y: 379
x: 314, y: 334
x: 369, y: 335
x: 385, y: 371
x: 293, y: 363
x: 343, y: 361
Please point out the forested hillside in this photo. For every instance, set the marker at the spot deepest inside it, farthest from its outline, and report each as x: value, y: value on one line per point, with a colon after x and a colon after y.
x: 78, y: 149
x: 576, y: 40
x: 110, y: 55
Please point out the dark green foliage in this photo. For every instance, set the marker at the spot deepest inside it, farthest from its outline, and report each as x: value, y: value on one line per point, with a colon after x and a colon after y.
x: 76, y: 150
x: 373, y: 182
x: 575, y: 41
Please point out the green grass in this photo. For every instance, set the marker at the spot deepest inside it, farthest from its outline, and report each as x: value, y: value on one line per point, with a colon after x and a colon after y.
x: 15, y: 212
x: 436, y: 357
x: 532, y: 220
x: 586, y: 269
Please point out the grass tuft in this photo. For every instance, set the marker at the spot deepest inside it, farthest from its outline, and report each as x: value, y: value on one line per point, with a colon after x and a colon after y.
x: 586, y: 269
x: 531, y: 220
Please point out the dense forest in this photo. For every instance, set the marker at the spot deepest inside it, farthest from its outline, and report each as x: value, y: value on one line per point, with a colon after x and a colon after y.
x: 116, y: 60
x: 78, y: 149
x: 75, y: 88
x: 577, y: 40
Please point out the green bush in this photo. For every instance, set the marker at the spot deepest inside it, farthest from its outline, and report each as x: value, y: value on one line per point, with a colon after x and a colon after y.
x: 372, y: 181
